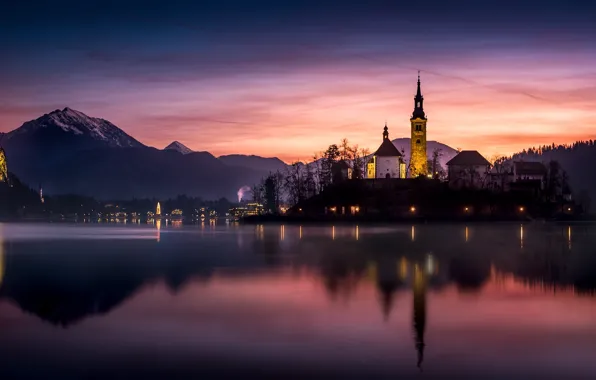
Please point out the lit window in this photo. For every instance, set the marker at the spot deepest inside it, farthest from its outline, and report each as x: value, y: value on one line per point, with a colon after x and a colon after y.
x: 418, y: 141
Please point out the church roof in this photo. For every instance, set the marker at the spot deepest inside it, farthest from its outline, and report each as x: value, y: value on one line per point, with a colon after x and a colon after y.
x: 387, y: 149
x: 468, y: 158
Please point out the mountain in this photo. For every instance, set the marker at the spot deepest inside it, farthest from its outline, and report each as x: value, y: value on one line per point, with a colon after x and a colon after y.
x: 264, y: 164
x: 67, y: 151
x: 82, y: 130
x: 178, y: 147
x: 446, y: 152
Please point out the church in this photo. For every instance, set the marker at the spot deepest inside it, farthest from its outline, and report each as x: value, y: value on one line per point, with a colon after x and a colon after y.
x: 388, y: 161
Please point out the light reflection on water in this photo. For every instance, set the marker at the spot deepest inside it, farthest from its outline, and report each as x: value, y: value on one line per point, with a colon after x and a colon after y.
x: 341, y: 300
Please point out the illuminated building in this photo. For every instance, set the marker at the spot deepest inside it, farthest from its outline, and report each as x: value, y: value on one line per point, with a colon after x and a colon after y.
x: 387, y: 161
x: 3, y: 166
x: 418, y: 159
x: 158, y: 210
x: 176, y: 214
x: 249, y: 210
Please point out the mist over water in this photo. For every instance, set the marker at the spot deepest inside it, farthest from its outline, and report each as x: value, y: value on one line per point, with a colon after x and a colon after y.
x: 275, y: 301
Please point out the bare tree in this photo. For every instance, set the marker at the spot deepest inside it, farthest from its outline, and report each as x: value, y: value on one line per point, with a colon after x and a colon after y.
x: 502, y: 168
x: 295, y: 183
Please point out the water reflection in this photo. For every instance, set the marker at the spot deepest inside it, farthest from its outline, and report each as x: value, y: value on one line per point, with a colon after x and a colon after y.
x: 419, y: 308
x: 65, y: 281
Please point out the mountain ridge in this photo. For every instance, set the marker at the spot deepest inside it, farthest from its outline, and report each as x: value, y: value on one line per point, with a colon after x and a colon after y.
x: 178, y: 147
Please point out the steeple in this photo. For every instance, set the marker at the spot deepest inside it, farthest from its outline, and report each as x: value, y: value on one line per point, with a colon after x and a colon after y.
x: 385, y: 132
x: 418, y: 103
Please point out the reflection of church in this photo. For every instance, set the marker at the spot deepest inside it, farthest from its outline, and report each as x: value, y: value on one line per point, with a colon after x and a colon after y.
x: 388, y: 161
x: 390, y: 276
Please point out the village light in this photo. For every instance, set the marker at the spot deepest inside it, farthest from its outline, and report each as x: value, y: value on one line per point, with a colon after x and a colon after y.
x: 466, y: 209
x: 413, y: 209
x: 521, y: 209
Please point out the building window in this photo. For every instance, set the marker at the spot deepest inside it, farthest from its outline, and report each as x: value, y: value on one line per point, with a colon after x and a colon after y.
x: 418, y: 141
x: 418, y: 104
x: 418, y: 128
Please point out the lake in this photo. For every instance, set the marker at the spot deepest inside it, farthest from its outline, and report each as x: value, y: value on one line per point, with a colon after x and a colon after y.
x: 272, y: 301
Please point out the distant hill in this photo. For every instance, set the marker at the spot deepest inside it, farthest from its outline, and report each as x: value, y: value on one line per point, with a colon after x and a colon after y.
x: 446, y: 152
x: 263, y: 164
x: 178, y: 147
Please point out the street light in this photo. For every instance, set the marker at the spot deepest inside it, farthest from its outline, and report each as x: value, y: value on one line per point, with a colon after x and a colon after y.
x: 413, y: 209
x: 521, y: 209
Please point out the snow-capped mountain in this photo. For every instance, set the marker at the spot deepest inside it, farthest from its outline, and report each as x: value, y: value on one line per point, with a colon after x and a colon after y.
x: 77, y: 124
x: 178, y: 147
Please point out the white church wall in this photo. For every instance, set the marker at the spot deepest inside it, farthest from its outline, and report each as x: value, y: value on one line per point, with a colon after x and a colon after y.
x: 387, y: 165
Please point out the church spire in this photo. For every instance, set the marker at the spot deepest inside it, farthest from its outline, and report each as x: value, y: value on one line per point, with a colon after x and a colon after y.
x: 385, y: 132
x: 418, y: 102
x: 418, y: 93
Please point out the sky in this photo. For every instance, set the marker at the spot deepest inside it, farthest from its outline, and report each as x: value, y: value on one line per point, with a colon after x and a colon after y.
x: 288, y: 78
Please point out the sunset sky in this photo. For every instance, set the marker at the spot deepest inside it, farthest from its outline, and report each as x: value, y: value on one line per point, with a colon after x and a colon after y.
x: 288, y: 78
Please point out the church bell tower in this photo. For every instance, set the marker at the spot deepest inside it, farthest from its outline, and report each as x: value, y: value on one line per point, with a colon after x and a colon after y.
x: 418, y: 160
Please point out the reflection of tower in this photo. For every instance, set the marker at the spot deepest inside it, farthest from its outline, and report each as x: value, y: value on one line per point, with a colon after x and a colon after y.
x: 158, y: 226
x: 419, y: 312
x: 41, y: 194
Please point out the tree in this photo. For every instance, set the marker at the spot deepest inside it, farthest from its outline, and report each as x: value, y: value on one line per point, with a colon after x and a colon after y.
x: 359, y: 162
x: 502, y: 169
x: 436, y: 163
x: 553, y: 183
x: 310, y: 182
x: 271, y: 193
x: 330, y: 157
x: 345, y: 150
x: 258, y: 192
x: 295, y: 183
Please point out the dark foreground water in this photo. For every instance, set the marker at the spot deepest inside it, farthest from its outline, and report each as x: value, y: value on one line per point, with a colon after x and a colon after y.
x: 442, y: 301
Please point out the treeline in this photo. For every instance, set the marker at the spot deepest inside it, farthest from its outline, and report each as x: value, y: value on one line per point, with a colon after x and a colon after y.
x: 570, y: 167
x: 304, y: 180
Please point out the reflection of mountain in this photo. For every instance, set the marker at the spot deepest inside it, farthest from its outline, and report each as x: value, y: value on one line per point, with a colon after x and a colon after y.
x: 63, y: 287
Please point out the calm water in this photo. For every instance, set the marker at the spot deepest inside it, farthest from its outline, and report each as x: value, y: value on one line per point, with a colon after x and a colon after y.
x: 426, y: 301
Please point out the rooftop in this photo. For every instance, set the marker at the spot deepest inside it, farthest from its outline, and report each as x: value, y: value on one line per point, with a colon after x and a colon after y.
x: 468, y: 158
x: 387, y: 149
x: 529, y: 168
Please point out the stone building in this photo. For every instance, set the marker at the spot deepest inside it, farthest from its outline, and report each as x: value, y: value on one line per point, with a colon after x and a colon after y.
x: 468, y: 169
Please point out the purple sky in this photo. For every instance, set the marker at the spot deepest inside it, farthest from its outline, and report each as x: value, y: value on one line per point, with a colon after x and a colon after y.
x: 289, y: 78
